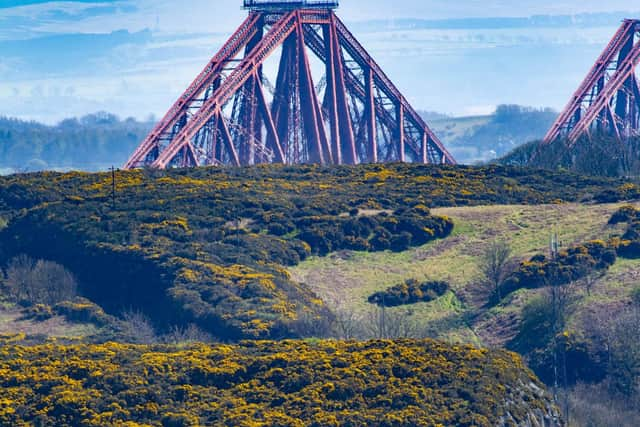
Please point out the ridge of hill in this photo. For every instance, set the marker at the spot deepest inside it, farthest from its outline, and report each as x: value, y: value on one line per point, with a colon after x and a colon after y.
x: 93, y: 142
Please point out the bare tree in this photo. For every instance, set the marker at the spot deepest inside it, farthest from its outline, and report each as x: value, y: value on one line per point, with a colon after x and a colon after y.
x: 496, y: 264
x: 590, y: 280
x: 137, y: 328
x: 560, y: 297
x: 56, y: 283
x: 39, y: 282
x: 624, y: 357
x: 185, y: 335
x: 310, y: 324
x: 19, y: 276
x: 347, y: 325
x: 384, y: 323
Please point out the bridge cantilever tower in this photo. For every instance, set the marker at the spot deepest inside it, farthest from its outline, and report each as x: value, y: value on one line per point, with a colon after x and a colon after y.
x: 235, y: 114
x: 608, y: 100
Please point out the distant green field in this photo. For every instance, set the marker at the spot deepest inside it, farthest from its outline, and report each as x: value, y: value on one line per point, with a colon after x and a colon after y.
x: 454, y: 128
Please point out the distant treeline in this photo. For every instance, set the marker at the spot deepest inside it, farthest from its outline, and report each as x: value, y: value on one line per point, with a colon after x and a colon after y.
x: 97, y: 141
x: 600, y: 155
x: 93, y: 142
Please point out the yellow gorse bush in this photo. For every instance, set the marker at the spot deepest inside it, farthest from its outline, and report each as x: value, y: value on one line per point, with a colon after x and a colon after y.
x: 401, y: 383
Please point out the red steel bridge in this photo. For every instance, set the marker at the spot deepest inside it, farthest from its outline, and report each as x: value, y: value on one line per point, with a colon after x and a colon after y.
x: 608, y: 100
x: 292, y: 85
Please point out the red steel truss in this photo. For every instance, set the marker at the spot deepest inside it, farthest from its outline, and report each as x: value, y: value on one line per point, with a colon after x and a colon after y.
x: 608, y: 100
x: 233, y: 114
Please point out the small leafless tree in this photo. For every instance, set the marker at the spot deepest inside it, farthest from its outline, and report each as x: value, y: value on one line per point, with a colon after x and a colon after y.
x: 347, y: 324
x: 590, y: 280
x: 137, y: 328
x: 624, y: 359
x: 384, y: 323
x: 186, y: 334
x: 39, y: 282
x: 496, y: 264
x: 560, y: 298
x: 310, y: 324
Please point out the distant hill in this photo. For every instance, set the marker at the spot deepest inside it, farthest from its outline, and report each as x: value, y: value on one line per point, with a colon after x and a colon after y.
x: 93, y: 142
x: 97, y: 141
x: 483, y: 138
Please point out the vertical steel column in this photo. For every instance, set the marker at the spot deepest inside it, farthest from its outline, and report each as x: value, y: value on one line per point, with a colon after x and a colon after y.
x: 281, y: 106
x: 268, y: 119
x: 400, y: 124
x: 424, y: 155
x: 613, y: 125
x: 249, y: 121
x: 189, y: 157
x: 228, y: 141
x: 311, y: 111
x: 331, y: 95
x: 602, y: 118
x: 347, y: 140
x: 370, y: 112
x: 216, y: 153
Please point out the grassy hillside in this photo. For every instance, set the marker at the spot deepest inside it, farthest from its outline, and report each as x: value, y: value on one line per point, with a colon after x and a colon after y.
x: 209, y: 246
x: 290, y: 383
x: 345, y: 280
x: 286, y: 252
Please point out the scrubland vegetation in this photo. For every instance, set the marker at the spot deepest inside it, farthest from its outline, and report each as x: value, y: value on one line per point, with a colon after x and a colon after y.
x: 218, y: 254
x: 289, y: 383
x: 208, y: 246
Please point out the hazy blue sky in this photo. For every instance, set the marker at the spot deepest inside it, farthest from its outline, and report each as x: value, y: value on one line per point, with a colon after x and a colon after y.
x: 133, y: 57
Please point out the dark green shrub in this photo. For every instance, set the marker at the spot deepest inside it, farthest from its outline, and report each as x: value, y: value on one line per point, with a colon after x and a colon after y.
x: 629, y: 249
x: 625, y: 214
x: 400, y: 242
x: 39, y: 312
x: 409, y: 292
x: 570, y: 265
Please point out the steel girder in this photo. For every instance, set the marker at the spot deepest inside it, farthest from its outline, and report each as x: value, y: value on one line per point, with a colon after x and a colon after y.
x: 232, y: 114
x: 608, y: 100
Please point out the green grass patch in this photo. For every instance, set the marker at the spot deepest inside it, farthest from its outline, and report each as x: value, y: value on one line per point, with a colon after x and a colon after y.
x: 345, y: 280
